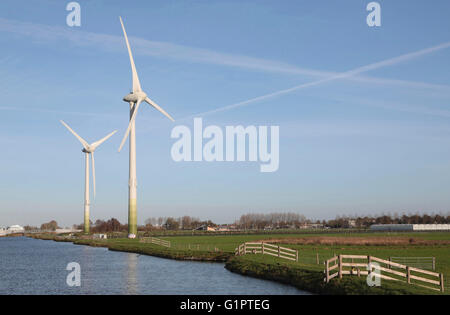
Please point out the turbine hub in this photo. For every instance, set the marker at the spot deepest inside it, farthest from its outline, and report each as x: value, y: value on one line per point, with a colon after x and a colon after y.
x: 134, y: 97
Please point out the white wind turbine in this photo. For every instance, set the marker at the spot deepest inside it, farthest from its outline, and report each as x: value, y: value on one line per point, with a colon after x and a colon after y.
x: 88, y: 149
x: 135, y: 98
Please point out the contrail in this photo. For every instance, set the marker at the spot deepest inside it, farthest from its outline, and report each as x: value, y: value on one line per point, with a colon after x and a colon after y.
x: 112, y: 43
x: 347, y: 74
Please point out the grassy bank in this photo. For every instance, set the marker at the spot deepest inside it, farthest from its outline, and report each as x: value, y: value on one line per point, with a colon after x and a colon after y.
x: 125, y: 245
x: 134, y: 246
x: 307, y: 274
x: 311, y: 279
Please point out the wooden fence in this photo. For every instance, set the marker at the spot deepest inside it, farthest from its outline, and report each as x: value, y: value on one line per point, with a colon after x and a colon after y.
x: 193, y: 247
x: 155, y: 240
x: 396, y: 271
x: 267, y: 249
x: 418, y: 262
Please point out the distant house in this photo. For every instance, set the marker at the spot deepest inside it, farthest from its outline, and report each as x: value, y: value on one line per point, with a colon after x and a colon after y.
x: 222, y: 228
x: 205, y: 228
x: 100, y: 236
x: 410, y: 227
x: 311, y: 226
x: 15, y: 229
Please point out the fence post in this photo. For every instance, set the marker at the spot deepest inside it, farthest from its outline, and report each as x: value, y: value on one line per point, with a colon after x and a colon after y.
x: 327, y: 273
x: 278, y: 250
x: 442, y: 282
x: 434, y: 263
x: 390, y: 260
x: 317, y: 258
x: 262, y: 248
x: 245, y: 248
x: 408, y: 274
x: 296, y: 255
x: 340, y: 266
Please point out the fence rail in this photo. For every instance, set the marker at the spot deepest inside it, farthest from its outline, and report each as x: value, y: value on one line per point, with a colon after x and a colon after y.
x: 267, y: 249
x: 396, y: 271
x: 418, y: 262
x: 155, y: 240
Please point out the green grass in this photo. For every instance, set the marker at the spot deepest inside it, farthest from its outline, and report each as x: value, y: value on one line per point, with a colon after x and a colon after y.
x: 311, y: 279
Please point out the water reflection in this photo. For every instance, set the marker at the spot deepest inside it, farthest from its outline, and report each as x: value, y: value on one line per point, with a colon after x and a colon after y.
x: 85, y: 259
x: 132, y: 278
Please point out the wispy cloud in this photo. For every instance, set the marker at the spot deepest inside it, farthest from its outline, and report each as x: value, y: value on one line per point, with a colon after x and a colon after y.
x: 344, y: 75
x: 115, y: 43
x: 51, y: 111
x: 330, y: 130
x: 401, y: 107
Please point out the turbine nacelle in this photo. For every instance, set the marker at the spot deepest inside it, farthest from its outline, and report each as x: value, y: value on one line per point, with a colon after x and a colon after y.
x: 135, y: 97
x: 87, y: 150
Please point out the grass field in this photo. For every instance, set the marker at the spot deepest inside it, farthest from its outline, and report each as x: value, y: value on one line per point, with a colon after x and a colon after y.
x: 306, y: 273
x: 435, y: 244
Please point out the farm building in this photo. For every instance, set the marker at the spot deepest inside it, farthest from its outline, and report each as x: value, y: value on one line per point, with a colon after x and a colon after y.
x: 410, y: 227
x: 15, y: 229
x: 205, y: 228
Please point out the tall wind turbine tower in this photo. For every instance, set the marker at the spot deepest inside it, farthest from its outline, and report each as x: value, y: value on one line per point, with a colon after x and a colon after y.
x: 135, y: 98
x: 88, y: 149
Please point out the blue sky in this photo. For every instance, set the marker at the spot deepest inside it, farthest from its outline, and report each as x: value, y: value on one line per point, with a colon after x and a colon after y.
x: 377, y: 141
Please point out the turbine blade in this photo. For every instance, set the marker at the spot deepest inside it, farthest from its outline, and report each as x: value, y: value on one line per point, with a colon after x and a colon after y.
x: 93, y: 170
x: 83, y: 142
x: 149, y: 101
x: 136, y: 83
x: 97, y: 143
x: 132, y: 119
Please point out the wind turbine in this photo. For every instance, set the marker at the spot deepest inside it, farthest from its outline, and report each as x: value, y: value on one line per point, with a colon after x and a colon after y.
x: 88, y: 149
x: 135, y: 98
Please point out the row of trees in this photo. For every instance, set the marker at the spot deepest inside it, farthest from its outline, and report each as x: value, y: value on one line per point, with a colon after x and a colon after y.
x: 366, y: 221
x: 181, y: 223
x: 112, y: 225
x: 30, y: 228
x: 50, y: 226
x: 271, y: 220
x: 101, y: 226
x: 166, y: 223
